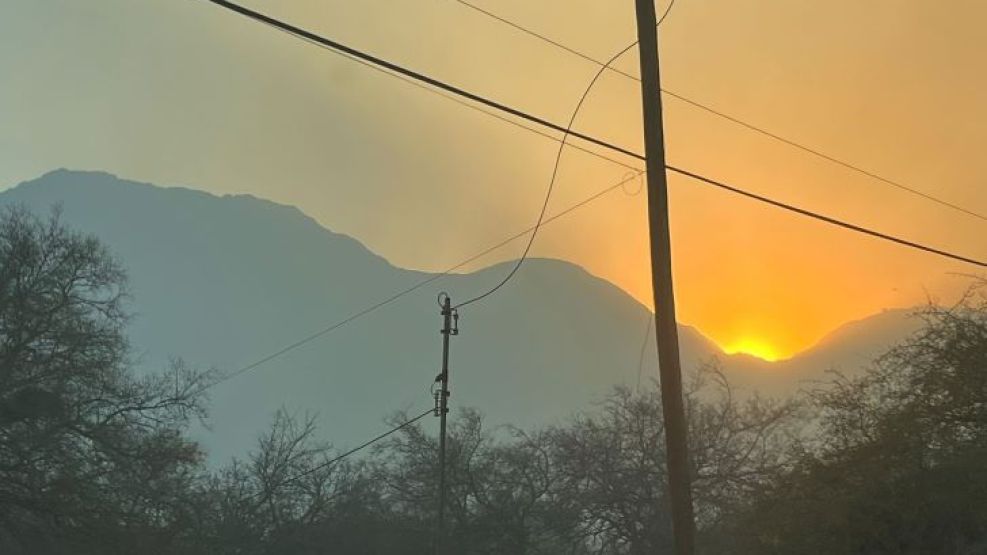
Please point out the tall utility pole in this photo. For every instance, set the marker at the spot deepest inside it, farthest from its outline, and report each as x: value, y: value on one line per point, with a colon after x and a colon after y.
x: 441, y: 410
x: 666, y: 332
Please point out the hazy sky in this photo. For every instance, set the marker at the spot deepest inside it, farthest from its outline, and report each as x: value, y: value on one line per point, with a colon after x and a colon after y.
x: 179, y: 92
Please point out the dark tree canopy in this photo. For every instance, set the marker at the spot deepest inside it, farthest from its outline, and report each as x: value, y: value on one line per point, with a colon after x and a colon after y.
x: 89, y: 452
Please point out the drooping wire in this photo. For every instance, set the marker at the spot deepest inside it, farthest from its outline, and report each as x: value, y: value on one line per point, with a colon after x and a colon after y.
x: 562, y: 142
x: 555, y: 171
x: 733, y: 119
x: 400, y: 71
x: 548, y: 194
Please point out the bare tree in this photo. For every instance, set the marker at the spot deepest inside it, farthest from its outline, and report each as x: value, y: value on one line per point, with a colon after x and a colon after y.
x: 898, y: 464
x: 613, y: 461
x: 501, y: 488
x: 90, y: 453
x: 294, y: 496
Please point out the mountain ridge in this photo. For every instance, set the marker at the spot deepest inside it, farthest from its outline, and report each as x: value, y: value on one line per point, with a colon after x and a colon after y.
x: 225, y: 280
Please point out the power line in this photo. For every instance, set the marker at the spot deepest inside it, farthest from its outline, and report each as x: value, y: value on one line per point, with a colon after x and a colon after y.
x: 544, y: 206
x: 290, y: 29
x: 442, y: 94
x: 599, y: 194
x: 826, y: 219
x: 360, y: 447
x: 558, y: 44
x: 832, y: 159
x: 339, y: 47
x: 541, y: 37
x: 719, y: 113
x: 607, y: 65
x: 555, y: 170
x: 365, y: 444
x: 558, y: 157
x: 418, y: 285
x: 398, y: 70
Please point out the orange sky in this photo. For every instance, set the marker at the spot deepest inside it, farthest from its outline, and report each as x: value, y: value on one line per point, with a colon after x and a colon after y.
x: 182, y: 93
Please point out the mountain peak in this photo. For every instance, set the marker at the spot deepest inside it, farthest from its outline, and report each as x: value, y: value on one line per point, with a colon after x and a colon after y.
x: 87, y: 196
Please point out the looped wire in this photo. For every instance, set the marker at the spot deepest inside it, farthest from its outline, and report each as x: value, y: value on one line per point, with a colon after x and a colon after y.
x: 631, y: 176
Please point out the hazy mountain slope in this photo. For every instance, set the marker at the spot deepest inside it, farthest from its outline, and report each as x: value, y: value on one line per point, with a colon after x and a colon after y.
x: 849, y: 349
x: 858, y: 342
x: 225, y: 281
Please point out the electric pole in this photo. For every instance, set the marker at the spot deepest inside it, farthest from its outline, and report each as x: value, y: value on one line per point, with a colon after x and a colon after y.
x: 450, y: 327
x: 666, y: 331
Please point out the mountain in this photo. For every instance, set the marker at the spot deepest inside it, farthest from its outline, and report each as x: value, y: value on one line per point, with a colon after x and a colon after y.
x: 226, y: 281
x: 860, y: 341
x: 849, y: 349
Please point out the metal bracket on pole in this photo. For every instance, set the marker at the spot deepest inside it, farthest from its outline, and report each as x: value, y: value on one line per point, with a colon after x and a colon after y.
x: 450, y: 327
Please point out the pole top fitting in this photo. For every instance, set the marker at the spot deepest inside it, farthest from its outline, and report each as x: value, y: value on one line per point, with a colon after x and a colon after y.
x: 444, y: 300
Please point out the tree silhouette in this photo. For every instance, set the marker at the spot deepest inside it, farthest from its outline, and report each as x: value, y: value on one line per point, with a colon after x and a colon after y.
x: 898, y: 464
x: 92, y: 457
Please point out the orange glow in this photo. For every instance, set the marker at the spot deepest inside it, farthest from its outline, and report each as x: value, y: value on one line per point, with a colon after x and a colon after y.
x: 753, y: 347
x: 750, y: 277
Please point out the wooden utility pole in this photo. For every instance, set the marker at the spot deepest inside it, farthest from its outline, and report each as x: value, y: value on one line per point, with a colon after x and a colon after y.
x: 666, y: 330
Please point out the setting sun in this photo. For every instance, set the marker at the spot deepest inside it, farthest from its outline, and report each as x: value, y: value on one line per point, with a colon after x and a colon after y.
x: 753, y: 347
